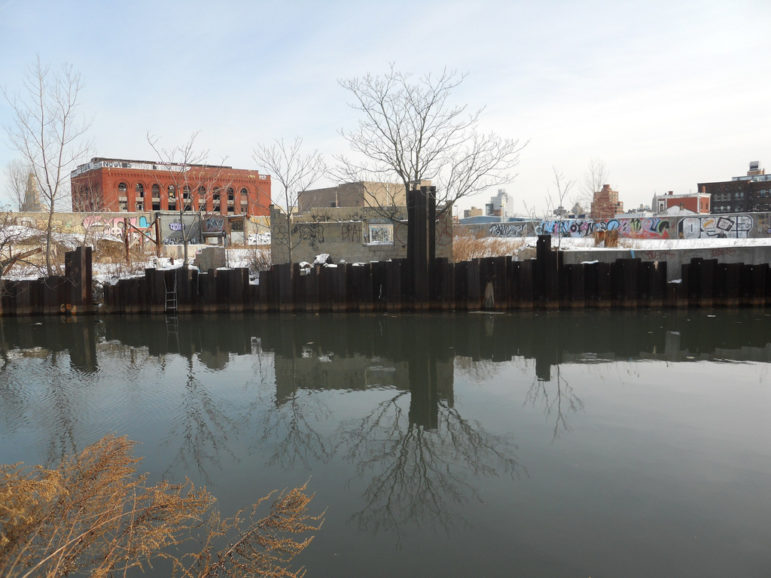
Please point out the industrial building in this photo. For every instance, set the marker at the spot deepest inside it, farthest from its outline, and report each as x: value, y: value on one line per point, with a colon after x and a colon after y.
x: 122, y: 185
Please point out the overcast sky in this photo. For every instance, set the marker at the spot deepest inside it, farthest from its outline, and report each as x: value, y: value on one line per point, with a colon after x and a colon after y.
x: 666, y: 93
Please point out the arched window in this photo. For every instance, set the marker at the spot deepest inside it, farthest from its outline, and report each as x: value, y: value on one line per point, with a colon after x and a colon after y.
x: 122, y: 187
x: 244, y: 193
x: 186, y: 192
x: 216, y: 194
x: 172, y: 192
x: 231, y: 194
x: 156, y: 190
x: 201, y: 191
x: 140, y: 190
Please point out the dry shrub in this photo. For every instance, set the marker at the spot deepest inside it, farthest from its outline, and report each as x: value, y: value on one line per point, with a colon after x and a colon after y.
x: 94, y: 514
x: 259, y: 259
x: 467, y: 248
x: 608, y: 239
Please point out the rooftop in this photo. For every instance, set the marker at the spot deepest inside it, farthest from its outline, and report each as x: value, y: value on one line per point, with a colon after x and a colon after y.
x: 102, y: 162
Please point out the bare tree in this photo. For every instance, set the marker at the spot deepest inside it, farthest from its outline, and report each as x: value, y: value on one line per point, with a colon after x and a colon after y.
x: 596, y: 176
x: 185, y: 167
x: 409, y: 130
x: 18, y: 174
x: 47, y: 131
x: 294, y: 170
x: 562, y: 188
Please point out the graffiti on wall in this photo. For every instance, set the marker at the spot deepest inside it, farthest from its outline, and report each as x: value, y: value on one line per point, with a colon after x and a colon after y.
x: 112, y: 225
x: 508, y: 229
x: 351, y: 232
x: 214, y: 224
x: 311, y: 233
x: 716, y: 226
x: 636, y: 228
x: 381, y: 234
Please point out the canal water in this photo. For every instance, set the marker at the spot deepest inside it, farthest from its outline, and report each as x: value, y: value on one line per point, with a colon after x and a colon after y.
x: 589, y: 444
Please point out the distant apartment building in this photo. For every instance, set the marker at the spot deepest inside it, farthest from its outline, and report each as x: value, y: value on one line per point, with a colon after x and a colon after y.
x: 605, y: 204
x: 692, y: 202
x: 117, y: 185
x: 31, y: 202
x: 472, y: 212
x: 749, y: 193
x: 498, y: 205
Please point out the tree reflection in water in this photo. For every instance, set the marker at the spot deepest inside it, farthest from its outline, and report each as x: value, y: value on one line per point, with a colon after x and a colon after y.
x: 291, y: 432
x: 415, y: 452
x: 418, y: 473
x: 203, y: 428
x: 557, y: 397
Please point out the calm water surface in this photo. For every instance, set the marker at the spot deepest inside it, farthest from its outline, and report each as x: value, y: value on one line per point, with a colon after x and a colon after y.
x: 468, y: 445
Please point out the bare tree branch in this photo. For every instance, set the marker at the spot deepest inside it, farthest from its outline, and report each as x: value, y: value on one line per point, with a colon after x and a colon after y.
x: 596, y: 176
x: 47, y: 131
x: 294, y: 170
x: 18, y: 175
x: 410, y: 131
x: 186, y: 167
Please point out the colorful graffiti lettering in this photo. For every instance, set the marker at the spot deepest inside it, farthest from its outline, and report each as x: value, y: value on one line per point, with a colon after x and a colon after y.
x: 113, y: 225
x: 645, y: 228
x: 734, y: 226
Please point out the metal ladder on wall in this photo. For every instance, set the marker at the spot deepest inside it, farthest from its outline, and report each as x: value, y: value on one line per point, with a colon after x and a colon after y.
x: 171, y: 296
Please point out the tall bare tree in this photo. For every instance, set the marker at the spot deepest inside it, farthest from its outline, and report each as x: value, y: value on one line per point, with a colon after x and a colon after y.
x: 562, y: 188
x: 596, y: 176
x: 409, y: 130
x: 187, y: 169
x: 17, y: 172
x: 47, y: 130
x: 294, y: 170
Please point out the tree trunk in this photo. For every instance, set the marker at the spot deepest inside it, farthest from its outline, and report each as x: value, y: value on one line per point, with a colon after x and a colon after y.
x: 49, y: 269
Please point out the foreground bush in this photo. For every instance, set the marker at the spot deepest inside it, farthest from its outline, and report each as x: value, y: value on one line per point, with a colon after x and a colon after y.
x: 95, y: 514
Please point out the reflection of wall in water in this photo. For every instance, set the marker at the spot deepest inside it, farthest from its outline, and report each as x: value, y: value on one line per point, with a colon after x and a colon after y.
x: 428, y: 380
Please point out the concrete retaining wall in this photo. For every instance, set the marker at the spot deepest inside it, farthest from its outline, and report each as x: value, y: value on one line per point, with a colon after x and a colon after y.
x: 674, y: 258
x: 738, y: 226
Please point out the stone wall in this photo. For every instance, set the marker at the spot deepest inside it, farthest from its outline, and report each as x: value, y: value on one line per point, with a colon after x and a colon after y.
x: 350, y: 234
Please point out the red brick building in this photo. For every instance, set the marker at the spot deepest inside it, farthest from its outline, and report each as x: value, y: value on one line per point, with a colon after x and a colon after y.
x: 696, y: 202
x: 128, y: 185
x: 605, y: 204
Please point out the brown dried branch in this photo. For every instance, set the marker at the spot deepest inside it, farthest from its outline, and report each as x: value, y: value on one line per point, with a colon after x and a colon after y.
x: 94, y: 514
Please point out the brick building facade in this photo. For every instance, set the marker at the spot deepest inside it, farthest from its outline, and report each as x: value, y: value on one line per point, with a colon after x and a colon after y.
x: 750, y: 193
x: 605, y: 204
x: 695, y: 202
x: 121, y: 185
